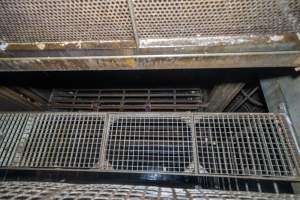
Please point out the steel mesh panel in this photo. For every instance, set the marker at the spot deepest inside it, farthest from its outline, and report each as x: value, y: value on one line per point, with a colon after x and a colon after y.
x: 64, y: 20
x: 63, y: 191
x: 11, y: 129
x: 244, y: 144
x: 190, y: 18
x: 64, y: 140
x: 150, y: 143
x: 110, y: 100
x: 256, y: 145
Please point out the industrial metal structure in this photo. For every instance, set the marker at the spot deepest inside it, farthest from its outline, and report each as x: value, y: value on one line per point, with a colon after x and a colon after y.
x: 140, y: 34
x: 252, y: 145
x: 149, y: 99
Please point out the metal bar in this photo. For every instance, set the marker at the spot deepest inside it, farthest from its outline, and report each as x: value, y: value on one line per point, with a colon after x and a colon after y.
x: 133, y: 22
x: 158, y: 61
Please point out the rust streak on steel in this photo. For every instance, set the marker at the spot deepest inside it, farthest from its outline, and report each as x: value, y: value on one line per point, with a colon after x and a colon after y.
x: 172, y: 61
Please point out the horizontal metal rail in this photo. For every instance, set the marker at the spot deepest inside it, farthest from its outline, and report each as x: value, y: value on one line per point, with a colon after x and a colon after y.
x: 199, y: 144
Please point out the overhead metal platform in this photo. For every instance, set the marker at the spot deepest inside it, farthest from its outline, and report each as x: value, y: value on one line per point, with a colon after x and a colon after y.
x: 139, y: 34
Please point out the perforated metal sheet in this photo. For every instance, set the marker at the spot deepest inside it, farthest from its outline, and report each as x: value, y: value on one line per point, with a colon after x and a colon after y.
x: 234, y: 145
x: 150, y: 143
x: 64, y: 20
x: 74, y: 20
x: 63, y: 191
x: 64, y: 140
x: 190, y: 18
x: 244, y: 144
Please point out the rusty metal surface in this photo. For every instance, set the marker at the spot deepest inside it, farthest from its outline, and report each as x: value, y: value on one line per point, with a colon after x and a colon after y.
x: 138, y: 100
x: 156, y: 61
x: 62, y: 191
x: 12, y: 99
x: 139, y: 34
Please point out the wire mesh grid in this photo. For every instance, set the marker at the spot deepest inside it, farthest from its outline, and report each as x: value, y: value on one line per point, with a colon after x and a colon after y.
x: 11, y: 129
x: 256, y: 145
x: 244, y: 144
x: 17, y: 190
x: 150, y: 143
x: 64, y: 140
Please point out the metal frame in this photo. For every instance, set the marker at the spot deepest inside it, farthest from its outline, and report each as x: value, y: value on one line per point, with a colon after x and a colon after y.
x: 129, y: 100
x: 268, y: 59
x: 282, y: 143
x: 140, y: 34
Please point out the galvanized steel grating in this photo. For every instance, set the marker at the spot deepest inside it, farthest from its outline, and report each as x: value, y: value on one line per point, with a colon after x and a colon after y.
x: 244, y: 144
x: 11, y: 130
x: 199, y: 144
x: 63, y: 191
x: 150, y: 143
x: 64, y: 140
x: 28, y: 21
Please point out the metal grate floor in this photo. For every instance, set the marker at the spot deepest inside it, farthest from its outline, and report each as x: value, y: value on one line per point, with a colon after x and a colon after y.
x: 63, y: 191
x: 64, y: 140
x: 150, y: 143
x: 243, y: 145
x: 199, y: 144
x: 11, y: 130
x: 130, y: 100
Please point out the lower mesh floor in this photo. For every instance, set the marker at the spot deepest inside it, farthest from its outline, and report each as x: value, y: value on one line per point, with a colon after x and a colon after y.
x: 62, y: 191
x: 234, y: 145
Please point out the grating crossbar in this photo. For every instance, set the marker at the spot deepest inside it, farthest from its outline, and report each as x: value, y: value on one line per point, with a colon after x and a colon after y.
x: 200, y: 144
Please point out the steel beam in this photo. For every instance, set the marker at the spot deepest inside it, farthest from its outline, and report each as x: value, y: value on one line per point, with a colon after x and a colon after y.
x: 222, y: 95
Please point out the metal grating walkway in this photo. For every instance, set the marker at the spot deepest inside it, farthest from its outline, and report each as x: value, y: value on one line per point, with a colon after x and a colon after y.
x: 200, y: 144
x: 150, y: 143
x: 243, y: 145
x: 64, y: 191
x: 64, y: 140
